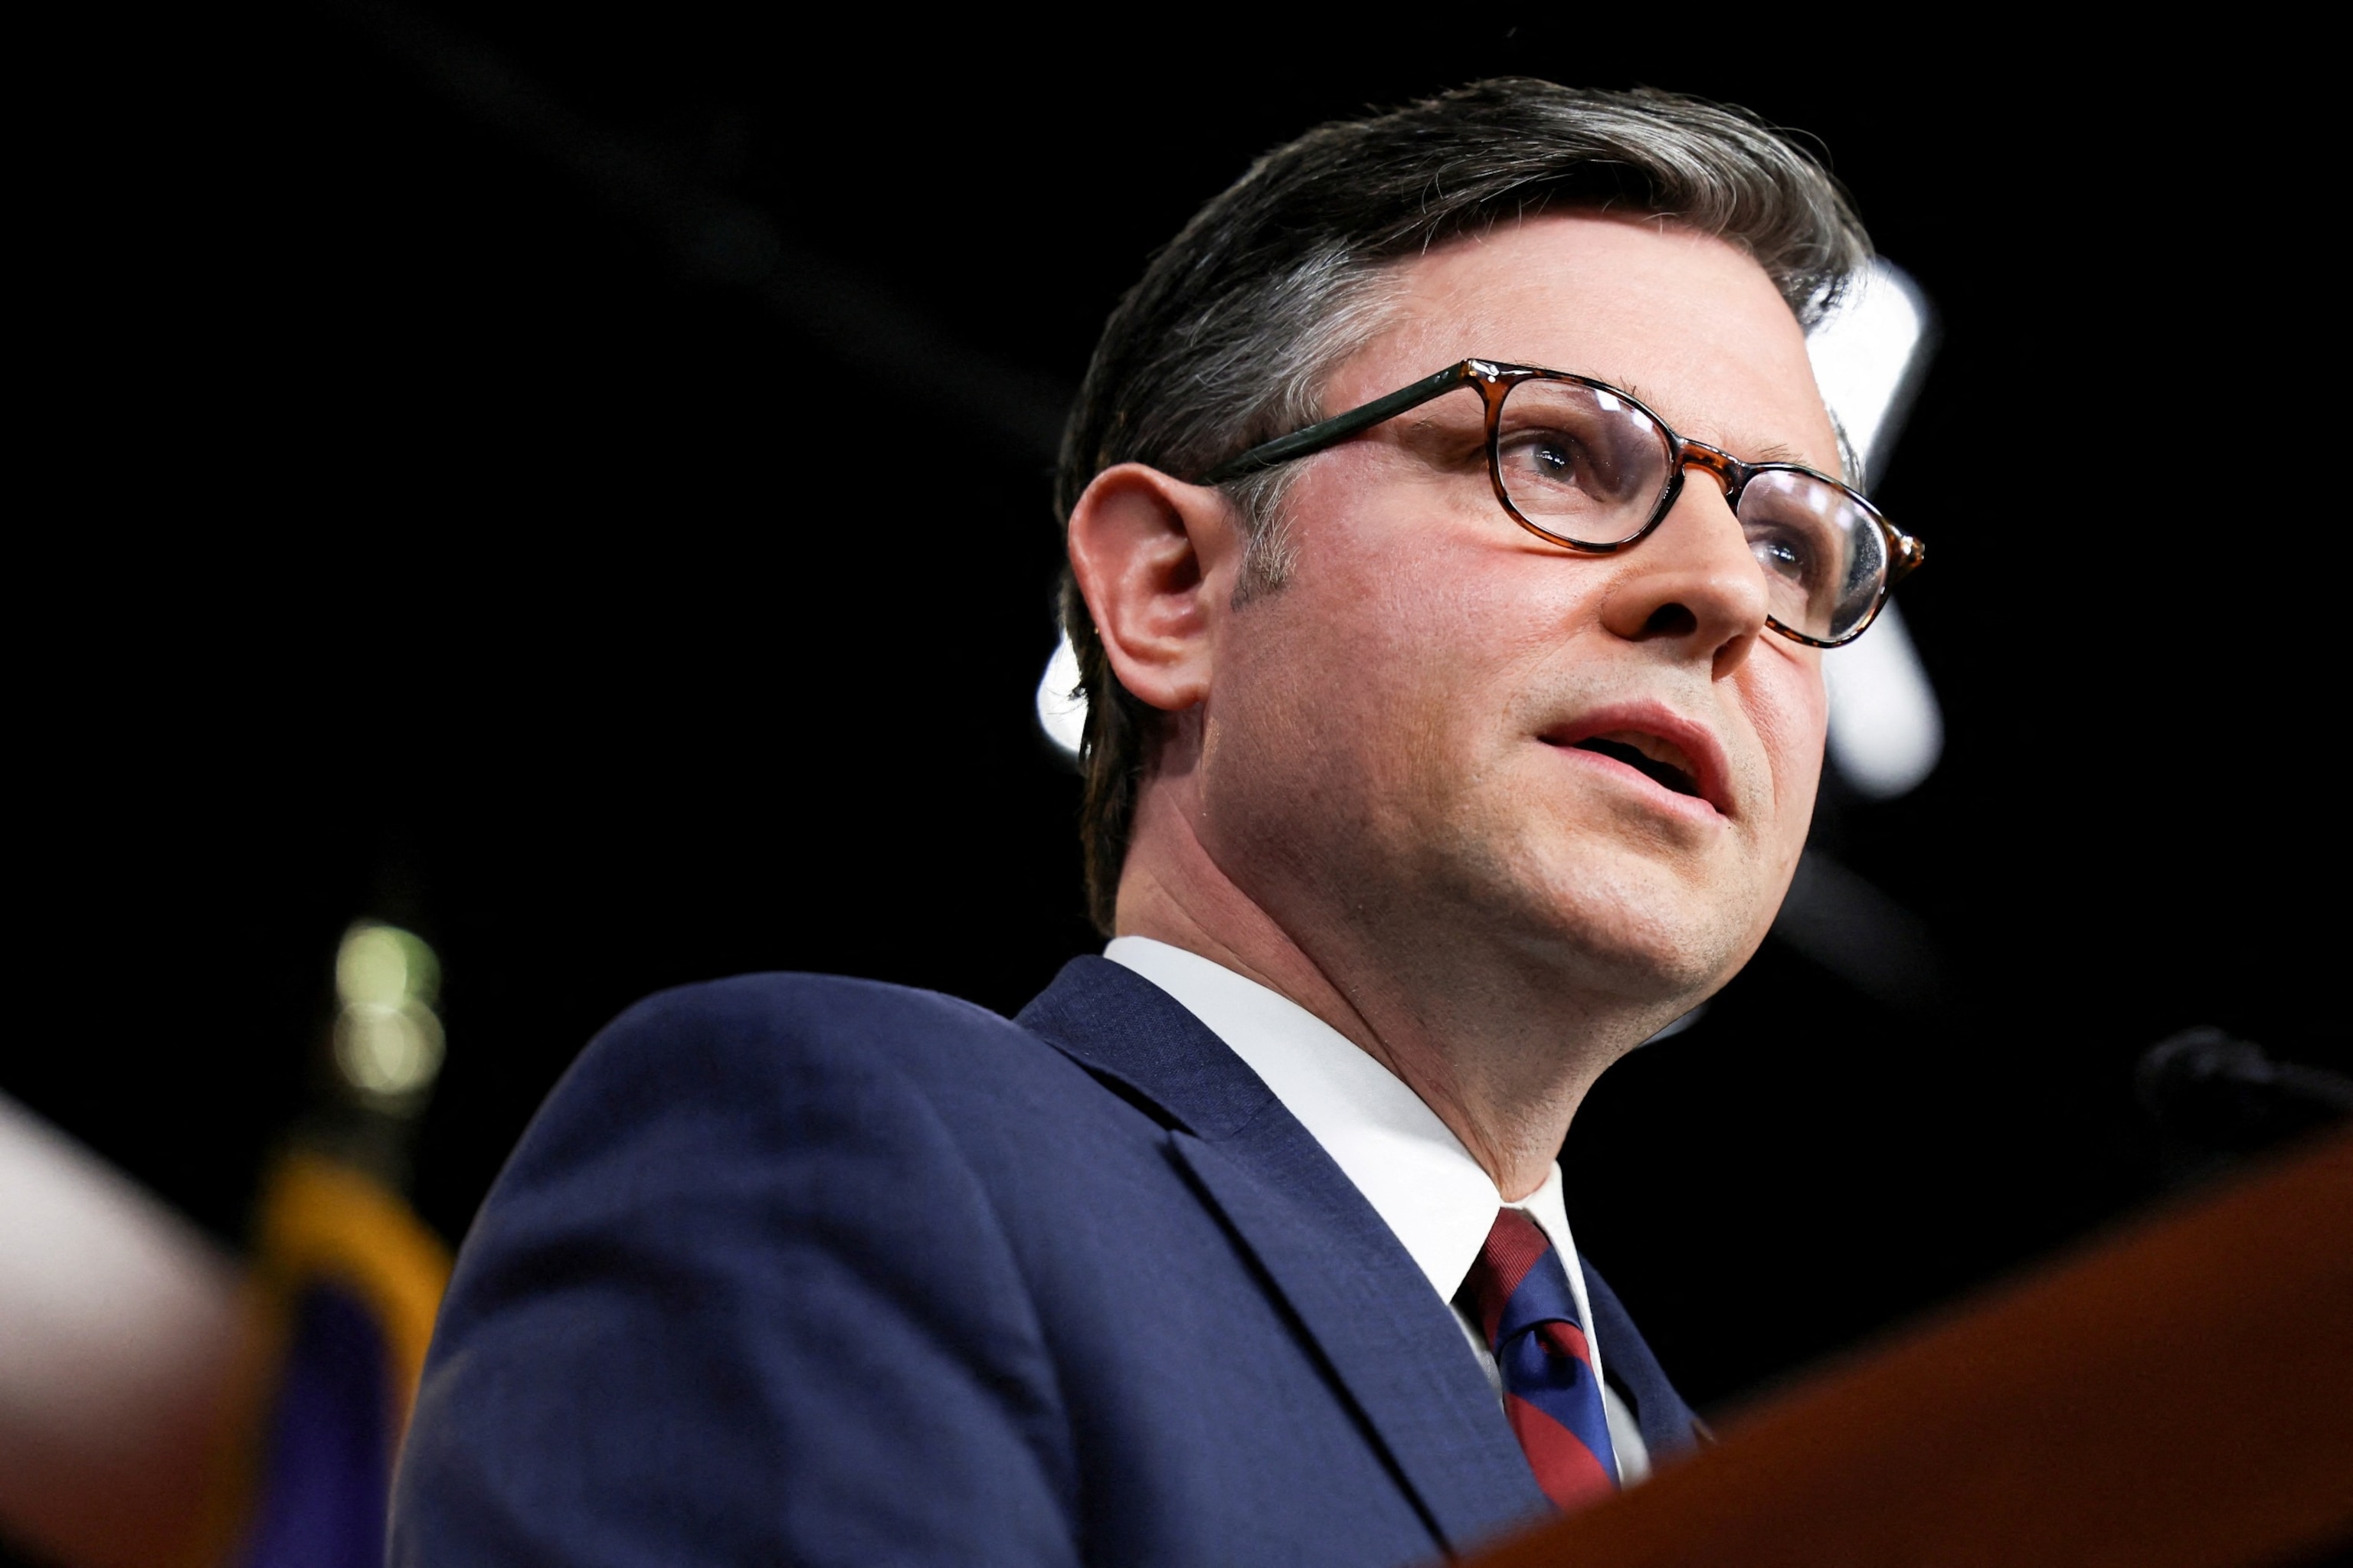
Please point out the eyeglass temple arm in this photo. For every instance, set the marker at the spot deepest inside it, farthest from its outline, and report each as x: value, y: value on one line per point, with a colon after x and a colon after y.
x: 1339, y: 428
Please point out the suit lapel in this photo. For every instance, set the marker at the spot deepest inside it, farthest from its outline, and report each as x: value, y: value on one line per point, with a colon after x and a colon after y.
x: 1390, y: 1343
x: 1669, y: 1426
x: 1388, y: 1340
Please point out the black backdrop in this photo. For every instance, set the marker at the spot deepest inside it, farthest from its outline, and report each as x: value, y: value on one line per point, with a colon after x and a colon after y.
x: 595, y: 513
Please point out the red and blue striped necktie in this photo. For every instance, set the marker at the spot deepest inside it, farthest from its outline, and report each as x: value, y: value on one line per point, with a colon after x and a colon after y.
x: 1518, y: 1295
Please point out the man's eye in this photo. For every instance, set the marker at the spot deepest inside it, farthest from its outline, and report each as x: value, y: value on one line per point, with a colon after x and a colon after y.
x: 1546, y: 455
x: 1784, y: 556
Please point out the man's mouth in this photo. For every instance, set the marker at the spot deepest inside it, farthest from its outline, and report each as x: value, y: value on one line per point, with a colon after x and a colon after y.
x: 1661, y: 760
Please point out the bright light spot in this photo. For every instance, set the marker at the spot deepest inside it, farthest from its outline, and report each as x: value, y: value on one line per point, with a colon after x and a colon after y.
x: 1885, y: 730
x: 388, y: 1044
x: 1868, y: 355
x: 386, y: 965
x: 393, y: 1051
x: 1062, y: 714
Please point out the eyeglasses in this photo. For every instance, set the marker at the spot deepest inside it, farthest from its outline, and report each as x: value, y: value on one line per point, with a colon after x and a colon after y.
x: 1580, y: 463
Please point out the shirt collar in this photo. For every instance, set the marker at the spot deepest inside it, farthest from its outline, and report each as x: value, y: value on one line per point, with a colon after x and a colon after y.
x: 1407, y: 1162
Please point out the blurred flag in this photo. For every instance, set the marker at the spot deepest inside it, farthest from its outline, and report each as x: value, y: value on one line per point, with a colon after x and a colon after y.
x: 162, y: 1405
x: 346, y: 1283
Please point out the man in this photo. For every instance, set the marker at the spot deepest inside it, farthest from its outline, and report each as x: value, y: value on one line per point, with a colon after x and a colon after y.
x: 1453, y: 537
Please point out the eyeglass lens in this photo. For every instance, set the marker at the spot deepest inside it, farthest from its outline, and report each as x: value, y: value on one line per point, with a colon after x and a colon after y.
x: 1590, y: 468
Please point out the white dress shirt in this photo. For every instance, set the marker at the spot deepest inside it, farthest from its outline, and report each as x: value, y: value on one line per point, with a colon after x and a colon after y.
x: 1408, y: 1165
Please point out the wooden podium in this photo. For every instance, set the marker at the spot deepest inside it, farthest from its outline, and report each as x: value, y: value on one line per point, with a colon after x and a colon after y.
x: 2178, y: 1397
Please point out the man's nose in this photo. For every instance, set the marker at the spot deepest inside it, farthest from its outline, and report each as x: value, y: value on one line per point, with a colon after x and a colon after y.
x: 1693, y: 582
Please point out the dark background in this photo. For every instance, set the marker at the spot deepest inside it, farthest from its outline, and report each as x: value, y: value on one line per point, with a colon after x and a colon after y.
x: 574, y: 484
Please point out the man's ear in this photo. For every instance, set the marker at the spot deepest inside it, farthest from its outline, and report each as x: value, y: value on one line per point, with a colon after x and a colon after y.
x: 1156, y: 560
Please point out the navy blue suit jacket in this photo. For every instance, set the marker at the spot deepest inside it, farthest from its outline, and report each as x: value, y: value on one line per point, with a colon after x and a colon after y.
x: 797, y: 1269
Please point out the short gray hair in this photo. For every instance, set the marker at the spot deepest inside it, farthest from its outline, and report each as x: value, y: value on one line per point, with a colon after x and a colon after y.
x: 1228, y: 338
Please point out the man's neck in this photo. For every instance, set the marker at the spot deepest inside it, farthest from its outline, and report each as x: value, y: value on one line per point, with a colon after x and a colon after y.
x: 1503, y: 1058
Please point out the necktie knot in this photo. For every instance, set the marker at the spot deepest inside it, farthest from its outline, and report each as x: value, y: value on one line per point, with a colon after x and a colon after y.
x: 1518, y: 1293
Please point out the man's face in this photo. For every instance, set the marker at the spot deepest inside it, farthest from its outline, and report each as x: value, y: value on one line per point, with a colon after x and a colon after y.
x: 1398, y: 749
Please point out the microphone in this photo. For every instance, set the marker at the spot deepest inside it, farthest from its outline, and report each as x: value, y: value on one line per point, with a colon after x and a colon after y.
x: 2215, y: 1097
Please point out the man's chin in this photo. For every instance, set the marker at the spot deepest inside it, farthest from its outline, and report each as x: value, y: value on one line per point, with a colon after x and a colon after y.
x: 1640, y: 930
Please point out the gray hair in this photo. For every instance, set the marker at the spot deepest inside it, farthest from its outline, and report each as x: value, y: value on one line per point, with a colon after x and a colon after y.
x: 1237, y: 324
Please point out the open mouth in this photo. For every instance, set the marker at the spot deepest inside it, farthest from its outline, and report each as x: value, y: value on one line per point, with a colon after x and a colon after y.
x: 1659, y: 760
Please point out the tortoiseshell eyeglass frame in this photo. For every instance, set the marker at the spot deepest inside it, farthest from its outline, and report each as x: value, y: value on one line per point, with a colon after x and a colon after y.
x: 1493, y: 381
